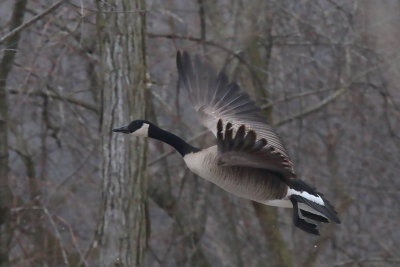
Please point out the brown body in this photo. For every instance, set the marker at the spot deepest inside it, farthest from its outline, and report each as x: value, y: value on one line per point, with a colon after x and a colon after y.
x: 249, y: 183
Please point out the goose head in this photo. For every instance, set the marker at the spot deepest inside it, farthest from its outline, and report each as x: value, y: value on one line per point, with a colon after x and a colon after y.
x: 136, y: 128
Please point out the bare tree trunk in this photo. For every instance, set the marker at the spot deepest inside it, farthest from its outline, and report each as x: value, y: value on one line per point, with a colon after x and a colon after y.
x: 278, y: 252
x: 123, y: 229
x: 259, y: 51
x: 7, y: 60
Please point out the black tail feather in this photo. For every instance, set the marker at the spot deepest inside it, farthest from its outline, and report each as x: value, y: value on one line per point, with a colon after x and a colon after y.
x: 301, y: 223
x: 326, y: 210
x: 313, y: 216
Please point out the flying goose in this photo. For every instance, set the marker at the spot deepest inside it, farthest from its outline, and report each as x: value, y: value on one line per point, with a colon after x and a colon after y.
x: 249, y: 159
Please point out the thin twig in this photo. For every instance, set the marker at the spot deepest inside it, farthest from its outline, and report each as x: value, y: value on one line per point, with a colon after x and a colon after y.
x: 109, y: 11
x: 55, y: 96
x: 315, y: 108
x: 292, y: 97
x: 31, y: 21
x: 335, y: 95
x: 199, y: 40
x: 53, y: 224
x: 74, y: 240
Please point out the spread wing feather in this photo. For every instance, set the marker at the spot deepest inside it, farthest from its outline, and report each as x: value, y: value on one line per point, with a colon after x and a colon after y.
x: 245, y: 150
x: 215, y: 99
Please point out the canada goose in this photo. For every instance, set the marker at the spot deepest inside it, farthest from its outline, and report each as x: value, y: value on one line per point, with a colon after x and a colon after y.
x: 249, y: 159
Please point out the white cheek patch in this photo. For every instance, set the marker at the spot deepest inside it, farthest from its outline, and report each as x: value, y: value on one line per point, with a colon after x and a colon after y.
x: 142, y: 131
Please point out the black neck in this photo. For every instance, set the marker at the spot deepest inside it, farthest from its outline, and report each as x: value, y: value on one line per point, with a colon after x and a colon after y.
x: 176, y: 142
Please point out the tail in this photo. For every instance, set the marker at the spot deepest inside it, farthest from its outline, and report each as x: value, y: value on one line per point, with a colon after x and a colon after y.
x: 312, y: 205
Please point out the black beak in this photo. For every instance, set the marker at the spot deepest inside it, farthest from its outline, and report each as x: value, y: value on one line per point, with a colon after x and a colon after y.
x: 124, y: 130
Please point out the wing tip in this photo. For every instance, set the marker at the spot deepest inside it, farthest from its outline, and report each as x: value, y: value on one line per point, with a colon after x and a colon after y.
x: 223, y: 98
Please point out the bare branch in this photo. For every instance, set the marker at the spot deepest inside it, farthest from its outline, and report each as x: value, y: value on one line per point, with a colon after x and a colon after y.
x: 292, y: 97
x: 53, y: 224
x: 315, y: 108
x: 336, y: 94
x: 31, y: 21
x: 199, y: 40
x: 56, y: 96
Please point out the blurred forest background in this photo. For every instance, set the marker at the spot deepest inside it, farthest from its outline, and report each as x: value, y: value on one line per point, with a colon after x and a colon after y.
x: 325, y: 72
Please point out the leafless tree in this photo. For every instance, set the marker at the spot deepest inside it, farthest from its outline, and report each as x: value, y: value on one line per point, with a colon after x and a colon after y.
x: 7, y: 60
x: 72, y: 193
x: 124, y: 228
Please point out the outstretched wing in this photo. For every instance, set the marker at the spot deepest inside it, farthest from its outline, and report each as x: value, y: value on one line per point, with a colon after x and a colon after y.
x: 245, y: 150
x: 215, y: 98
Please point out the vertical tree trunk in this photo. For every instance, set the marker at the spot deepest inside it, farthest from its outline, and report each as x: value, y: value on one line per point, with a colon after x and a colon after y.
x: 10, y: 49
x: 123, y: 228
x: 259, y: 51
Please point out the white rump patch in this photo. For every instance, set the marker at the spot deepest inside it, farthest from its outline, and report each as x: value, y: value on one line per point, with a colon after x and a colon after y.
x: 142, y: 131
x: 306, y: 195
x: 286, y: 203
